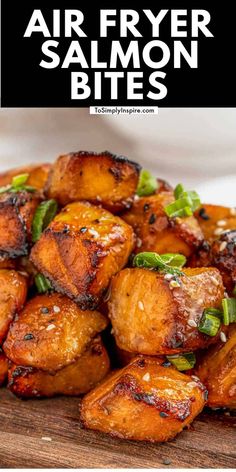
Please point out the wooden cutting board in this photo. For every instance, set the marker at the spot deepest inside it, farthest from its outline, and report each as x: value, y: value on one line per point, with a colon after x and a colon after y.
x: 209, y: 443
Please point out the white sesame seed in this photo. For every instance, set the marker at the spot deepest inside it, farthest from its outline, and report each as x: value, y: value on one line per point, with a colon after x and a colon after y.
x: 223, y: 337
x: 140, y: 305
x: 168, y: 276
x: 93, y: 232
x: 56, y: 309
x: 136, y: 198
x: 174, y: 284
x: 194, y: 377
x: 222, y: 246
x: 139, y: 242
x: 49, y: 327
x: 192, y: 384
x: 146, y: 377
x: 233, y: 211
x: 218, y: 231
x: 46, y: 438
x: 192, y: 323
x: 227, y: 413
x: 215, y: 281
x: 221, y: 223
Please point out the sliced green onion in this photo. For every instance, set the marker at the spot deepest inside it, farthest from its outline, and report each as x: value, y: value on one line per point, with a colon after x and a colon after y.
x: 173, y: 260
x: 19, y: 180
x: 44, y: 214
x: 18, y: 185
x: 179, y: 189
x: 185, y: 203
x: 214, y: 311
x: 229, y: 310
x: 42, y: 284
x: 210, y: 322
x: 147, y: 184
x: 196, y: 202
x: 26, y: 188
x: 183, y: 361
x: 180, y: 208
x: 166, y: 262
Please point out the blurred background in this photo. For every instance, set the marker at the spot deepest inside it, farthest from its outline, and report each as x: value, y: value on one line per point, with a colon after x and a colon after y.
x: 196, y: 146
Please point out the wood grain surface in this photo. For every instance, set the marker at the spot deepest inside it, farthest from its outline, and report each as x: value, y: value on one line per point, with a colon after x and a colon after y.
x: 209, y: 443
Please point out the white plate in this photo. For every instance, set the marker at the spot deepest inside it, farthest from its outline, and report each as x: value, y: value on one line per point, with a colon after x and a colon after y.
x: 221, y: 191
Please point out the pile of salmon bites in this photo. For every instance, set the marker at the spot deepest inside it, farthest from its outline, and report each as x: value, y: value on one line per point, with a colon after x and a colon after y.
x: 116, y: 286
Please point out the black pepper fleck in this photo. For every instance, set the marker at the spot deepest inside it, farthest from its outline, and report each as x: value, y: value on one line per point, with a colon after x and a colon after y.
x: 202, y: 213
x: 83, y: 230
x: 146, y: 207
x: 166, y: 364
x: 163, y: 414
x: 44, y: 310
x: 29, y: 336
x: 152, y: 219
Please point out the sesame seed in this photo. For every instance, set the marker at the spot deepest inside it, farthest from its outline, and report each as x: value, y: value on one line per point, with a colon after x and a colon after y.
x: 93, y: 232
x: 174, y: 284
x: 140, y: 305
x: 223, y: 337
x: 49, y: 327
x: 233, y: 211
x: 192, y: 323
x: 192, y: 384
x: 221, y: 223
x: 218, y: 231
x: 139, y: 242
x: 146, y: 377
x: 46, y: 438
x: 222, y: 246
x: 215, y: 281
x: 227, y: 413
x: 194, y: 377
x: 56, y: 309
x: 136, y: 198
x: 168, y: 276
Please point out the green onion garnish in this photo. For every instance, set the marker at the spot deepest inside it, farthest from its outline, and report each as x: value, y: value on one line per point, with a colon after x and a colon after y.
x: 18, y: 185
x: 185, y: 203
x: 183, y: 361
x: 168, y: 263
x: 19, y: 180
x: 42, y: 284
x: 210, y: 322
x: 179, y: 189
x: 44, y: 214
x: 229, y: 310
x: 147, y: 184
